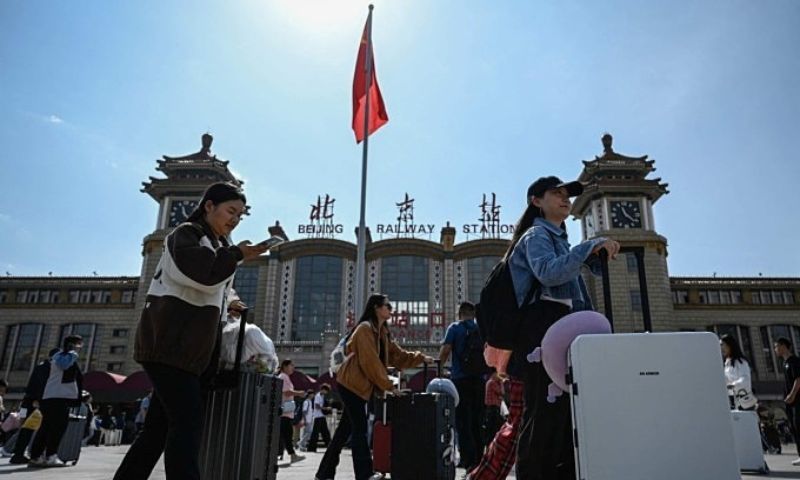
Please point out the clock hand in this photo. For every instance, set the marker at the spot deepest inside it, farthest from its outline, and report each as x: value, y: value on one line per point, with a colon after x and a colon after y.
x: 625, y: 212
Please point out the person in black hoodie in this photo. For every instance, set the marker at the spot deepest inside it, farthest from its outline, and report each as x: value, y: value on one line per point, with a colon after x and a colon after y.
x: 178, y: 332
x: 30, y: 402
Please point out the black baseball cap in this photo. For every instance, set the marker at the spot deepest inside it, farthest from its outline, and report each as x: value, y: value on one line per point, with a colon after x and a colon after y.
x: 544, y: 184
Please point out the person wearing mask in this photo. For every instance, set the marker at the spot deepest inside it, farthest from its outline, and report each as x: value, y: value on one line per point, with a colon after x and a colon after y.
x: 62, y: 391
x: 370, y: 352
x: 469, y: 412
x: 320, y: 422
x: 737, y: 374
x: 30, y: 402
x: 542, y: 262
x: 791, y: 372
x: 287, y: 411
x: 177, y: 333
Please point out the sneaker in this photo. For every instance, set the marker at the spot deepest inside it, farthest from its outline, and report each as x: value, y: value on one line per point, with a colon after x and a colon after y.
x: 796, y: 463
x: 296, y: 458
x: 19, y: 460
x: 37, y: 462
x: 5, y: 453
x: 54, y: 461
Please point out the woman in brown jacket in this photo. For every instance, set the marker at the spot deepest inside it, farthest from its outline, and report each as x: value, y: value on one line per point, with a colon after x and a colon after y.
x: 369, y: 352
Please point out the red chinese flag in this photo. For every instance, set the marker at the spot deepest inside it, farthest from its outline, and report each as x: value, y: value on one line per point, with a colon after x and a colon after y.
x: 377, y: 110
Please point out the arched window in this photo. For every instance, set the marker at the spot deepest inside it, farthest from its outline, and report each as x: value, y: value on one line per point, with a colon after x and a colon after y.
x: 317, y: 296
x: 478, y: 268
x: 405, y: 279
x: 89, y: 333
x: 22, y: 346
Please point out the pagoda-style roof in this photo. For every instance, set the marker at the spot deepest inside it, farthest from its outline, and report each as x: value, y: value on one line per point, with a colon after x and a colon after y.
x: 617, y: 174
x: 189, y: 174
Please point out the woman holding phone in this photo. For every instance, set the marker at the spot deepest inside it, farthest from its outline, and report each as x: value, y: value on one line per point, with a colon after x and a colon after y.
x: 178, y: 328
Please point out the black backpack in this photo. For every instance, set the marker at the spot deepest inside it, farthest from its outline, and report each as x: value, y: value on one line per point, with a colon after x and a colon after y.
x: 498, y: 315
x: 472, y: 361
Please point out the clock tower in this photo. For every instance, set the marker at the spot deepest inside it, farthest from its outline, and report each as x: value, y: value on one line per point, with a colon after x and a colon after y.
x: 617, y: 202
x: 187, y: 177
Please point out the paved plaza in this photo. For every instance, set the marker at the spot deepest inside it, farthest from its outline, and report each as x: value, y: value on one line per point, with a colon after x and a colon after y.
x: 99, y: 463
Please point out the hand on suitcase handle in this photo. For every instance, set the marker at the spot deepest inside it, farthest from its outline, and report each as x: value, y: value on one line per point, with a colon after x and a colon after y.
x: 610, y: 246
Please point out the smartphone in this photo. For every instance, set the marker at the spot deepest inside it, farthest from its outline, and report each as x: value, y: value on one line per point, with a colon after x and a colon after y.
x: 271, y: 242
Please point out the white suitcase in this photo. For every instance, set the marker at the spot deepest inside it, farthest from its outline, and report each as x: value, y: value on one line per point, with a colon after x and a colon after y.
x: 650, y: 406
x: 747, y: 437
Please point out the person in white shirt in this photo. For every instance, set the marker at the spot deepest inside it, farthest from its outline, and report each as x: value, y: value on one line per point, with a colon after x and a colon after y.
x: 257, y: 349
x: 308, y: 420
x: 737, y: 374
x: 320, y: 423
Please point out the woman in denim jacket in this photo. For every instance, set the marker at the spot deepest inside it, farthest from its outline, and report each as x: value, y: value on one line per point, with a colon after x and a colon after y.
x: 541, y: 253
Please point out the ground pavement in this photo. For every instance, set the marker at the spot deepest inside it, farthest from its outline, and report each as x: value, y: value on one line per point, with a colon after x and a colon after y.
x: 99, y: 463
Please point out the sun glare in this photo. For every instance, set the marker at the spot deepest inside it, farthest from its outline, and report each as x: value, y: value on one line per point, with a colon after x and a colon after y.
x: 323, y: 16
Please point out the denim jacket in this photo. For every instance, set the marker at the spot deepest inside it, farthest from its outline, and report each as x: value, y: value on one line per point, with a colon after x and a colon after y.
x: 543, y: 252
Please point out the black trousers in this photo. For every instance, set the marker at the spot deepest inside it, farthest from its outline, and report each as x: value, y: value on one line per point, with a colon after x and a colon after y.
x: 287, y: 436
x: 545, y: 448
x: 23, y: 439
x: 55, y: 417
x: 173, y: 426
x: 469, y: 416
x: 793, y: 414
x: 320, y: 428
x: 353, y: 423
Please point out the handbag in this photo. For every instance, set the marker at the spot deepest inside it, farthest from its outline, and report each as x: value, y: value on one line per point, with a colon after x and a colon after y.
x: 745, y: 400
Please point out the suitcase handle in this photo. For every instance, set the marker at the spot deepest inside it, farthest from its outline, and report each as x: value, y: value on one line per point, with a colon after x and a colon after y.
x: 438, y: 363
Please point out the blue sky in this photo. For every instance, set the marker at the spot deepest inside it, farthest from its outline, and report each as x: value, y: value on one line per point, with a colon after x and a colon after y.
x: 482, y: 97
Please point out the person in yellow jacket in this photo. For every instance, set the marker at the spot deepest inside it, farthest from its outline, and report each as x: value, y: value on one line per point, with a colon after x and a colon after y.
x: 370, y: 351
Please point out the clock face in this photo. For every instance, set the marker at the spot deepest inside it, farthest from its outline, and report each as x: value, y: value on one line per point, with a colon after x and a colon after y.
x: 626, y: 214
x: 179, y: 211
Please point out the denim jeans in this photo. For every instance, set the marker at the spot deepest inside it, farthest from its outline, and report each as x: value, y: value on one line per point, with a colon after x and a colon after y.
x: 353, y: 422
x: 173, y: 426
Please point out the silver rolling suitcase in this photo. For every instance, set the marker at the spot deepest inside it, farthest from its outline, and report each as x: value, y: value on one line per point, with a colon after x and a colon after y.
x: 747, y: 437
x: 69, y: 449
x: 241, y: 424
x: 650, y: 406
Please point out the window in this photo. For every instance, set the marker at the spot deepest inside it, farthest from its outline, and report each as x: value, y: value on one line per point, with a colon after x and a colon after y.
x: 680, y: 297
x: 630, y: 260
x: 114, y: 367
x: 119, y: 332
x: 317, y: 296
x: 766, y: 298
x: 22, y: 296
x: 405, y: 279
x: 636, y: 300
x: 89, y: 332
x: 37, y: 296
x: 788, y: 298
x: 128, y: 296
x: 736, y: 296
x: 742, y: 336
x: 101, y: 296
x: 246, y: 284
x: 3, y: 296
x: 117, y: 349
x: 22, y: 346
x: 703, y: 297
x: 478, y: 268
x: 713, y: 297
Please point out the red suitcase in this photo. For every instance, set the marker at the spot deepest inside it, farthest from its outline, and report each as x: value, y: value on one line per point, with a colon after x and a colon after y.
x: 382, y: 441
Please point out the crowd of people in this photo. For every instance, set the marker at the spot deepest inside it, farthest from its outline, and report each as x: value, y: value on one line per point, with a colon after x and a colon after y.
x: 501, y: 418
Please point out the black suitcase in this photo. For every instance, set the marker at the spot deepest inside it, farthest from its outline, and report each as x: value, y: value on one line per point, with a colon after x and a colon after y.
x: 69, y: 448
x: 241, y: 425
x: 423, y: 448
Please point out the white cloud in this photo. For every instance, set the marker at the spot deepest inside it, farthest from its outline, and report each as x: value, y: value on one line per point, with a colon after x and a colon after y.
x: 54, y: 119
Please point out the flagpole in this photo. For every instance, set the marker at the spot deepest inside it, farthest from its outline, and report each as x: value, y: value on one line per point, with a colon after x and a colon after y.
x: 362, y: 233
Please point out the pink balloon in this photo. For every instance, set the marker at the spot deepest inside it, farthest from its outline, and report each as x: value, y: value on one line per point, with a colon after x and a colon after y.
x: 556, y: 342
